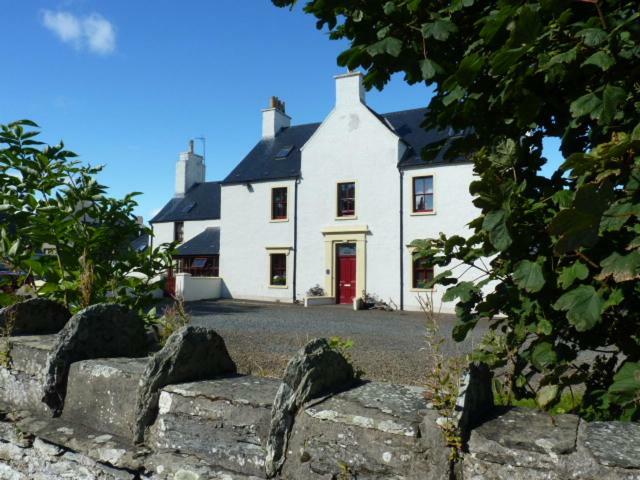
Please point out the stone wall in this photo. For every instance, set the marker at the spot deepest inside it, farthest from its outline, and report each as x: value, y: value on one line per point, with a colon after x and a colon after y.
x: 182, y: 413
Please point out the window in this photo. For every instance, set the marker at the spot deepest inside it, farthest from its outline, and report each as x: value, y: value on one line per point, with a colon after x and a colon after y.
x: 422, y: 273
x: 346, y: 199
x: 178, y: 232
x: 284, y: 152
x: 205, y: 266
x: 423, y: 194
x: 279, y: 203
x: 278, y: 275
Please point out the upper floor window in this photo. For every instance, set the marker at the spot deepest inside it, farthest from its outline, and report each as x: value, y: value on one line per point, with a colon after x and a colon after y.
x: 423, y: 194
x: 346, y: 199
x: 178, y: 232
x: 422, y: 272
x: 278, y: 267
x: 279, y: 203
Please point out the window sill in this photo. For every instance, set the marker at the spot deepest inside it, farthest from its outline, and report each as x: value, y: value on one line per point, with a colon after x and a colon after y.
x: 422, y: 290
x: 278, y: 220
x: 422, y: 214
x: 347, y: 217
x: 279, y: 287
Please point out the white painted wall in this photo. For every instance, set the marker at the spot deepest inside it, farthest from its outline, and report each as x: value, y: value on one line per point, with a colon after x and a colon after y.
x: 163, y: 232
x: 453, y: 210
x: 246, y: 234
x: 351, y: 145
x: 197, y: 288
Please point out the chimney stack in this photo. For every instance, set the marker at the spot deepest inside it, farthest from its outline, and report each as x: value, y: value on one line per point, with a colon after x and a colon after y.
x: 274, y: 118
x: 349, y: 89
x: 190, y: 170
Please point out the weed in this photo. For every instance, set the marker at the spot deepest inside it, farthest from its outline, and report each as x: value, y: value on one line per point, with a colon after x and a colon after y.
x: 443, y: 380
x: 174, y: 318
x: 5, y: 338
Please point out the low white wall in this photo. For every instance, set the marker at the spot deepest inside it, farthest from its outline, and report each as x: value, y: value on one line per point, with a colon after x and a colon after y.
x: 198, y: 288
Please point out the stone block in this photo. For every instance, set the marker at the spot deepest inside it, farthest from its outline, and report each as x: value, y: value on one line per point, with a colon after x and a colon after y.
x: 191, y: 353
x: 315, y: 370
x: 22, y: 382
x: 224, y: 421
x: 369, y: 432
x: 99, y: 331
x: 102, y: 394
x: 35, y: 316
x: 614, y: 444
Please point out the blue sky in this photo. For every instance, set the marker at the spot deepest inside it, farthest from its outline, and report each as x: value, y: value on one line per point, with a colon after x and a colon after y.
x: 127, y: 84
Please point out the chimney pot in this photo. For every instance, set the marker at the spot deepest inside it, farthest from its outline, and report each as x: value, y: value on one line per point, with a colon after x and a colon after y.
x: 274, y: 118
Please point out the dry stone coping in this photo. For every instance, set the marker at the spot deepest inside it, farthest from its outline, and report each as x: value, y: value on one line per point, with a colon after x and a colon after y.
x: 101, y: 394
x: 315, y: 370
x: 192, y: 353
x: 393, y: 409
x: 614, y: 444
x: 99, y: 446
x: 243, y: 390
x: 545, y: 433
x: 35, y: 316
x: 99, y: 331
x: 28, y: 353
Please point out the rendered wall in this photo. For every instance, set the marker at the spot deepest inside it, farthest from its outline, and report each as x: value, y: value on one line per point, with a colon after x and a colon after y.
x: 163, y: 232
x: 248, y: 235
x: 192, y: 289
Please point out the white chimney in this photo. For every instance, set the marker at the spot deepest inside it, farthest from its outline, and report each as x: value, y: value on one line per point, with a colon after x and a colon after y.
x: 274, y: 119
x: 190, y: 170
x: 349, y: 89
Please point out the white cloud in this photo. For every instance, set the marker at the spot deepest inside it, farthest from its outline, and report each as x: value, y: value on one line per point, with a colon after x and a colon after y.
x: 93, y: 32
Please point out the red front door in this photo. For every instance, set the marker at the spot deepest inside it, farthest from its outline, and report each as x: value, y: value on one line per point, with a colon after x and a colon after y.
x: 346, y: 278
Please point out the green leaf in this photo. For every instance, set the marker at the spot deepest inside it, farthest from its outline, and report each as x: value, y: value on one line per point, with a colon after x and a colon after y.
x: 592, y: 37
x: 543, y: 355
x: 585, y: 105
x: 611, y: 99
x: 617, y: 215
x: 429, y: 69
x: 389, y: 8
x: 622, y: 268
x: 495, y: 223
x: 626, y: 382
x: 389, y: 45
x: 583, y: 306
x: 547, y: 395
x: 440, y: 29
x: 600, y: 59
x: 505, y: 59
x: 528, y: 276
x: 463, y: 290
x: 568, y: 275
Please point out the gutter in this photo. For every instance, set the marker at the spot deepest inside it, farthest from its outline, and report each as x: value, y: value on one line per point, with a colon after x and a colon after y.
x: 295, y: 239
x: 401, y: 175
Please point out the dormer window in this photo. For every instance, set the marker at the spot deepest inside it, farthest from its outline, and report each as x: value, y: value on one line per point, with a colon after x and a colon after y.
x: 284, y: 152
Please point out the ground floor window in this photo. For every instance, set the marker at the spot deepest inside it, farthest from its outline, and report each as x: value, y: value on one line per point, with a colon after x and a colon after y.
x: 198, y: 266
x: 422, y: 272
x: 278, y: 276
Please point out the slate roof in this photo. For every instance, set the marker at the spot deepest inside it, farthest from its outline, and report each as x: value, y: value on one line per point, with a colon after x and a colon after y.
x: 261, y: 164
x: 141, y: 243
x: 200, y: 202
x: 205, y: 243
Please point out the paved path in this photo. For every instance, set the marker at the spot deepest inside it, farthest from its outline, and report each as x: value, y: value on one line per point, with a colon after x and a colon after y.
x: 389, y: 346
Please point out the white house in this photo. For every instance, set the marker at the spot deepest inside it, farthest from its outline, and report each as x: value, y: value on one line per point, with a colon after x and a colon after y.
x: 335, y: 204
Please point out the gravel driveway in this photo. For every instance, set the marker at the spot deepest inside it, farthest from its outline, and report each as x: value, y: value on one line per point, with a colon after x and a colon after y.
x: 388, y: 346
